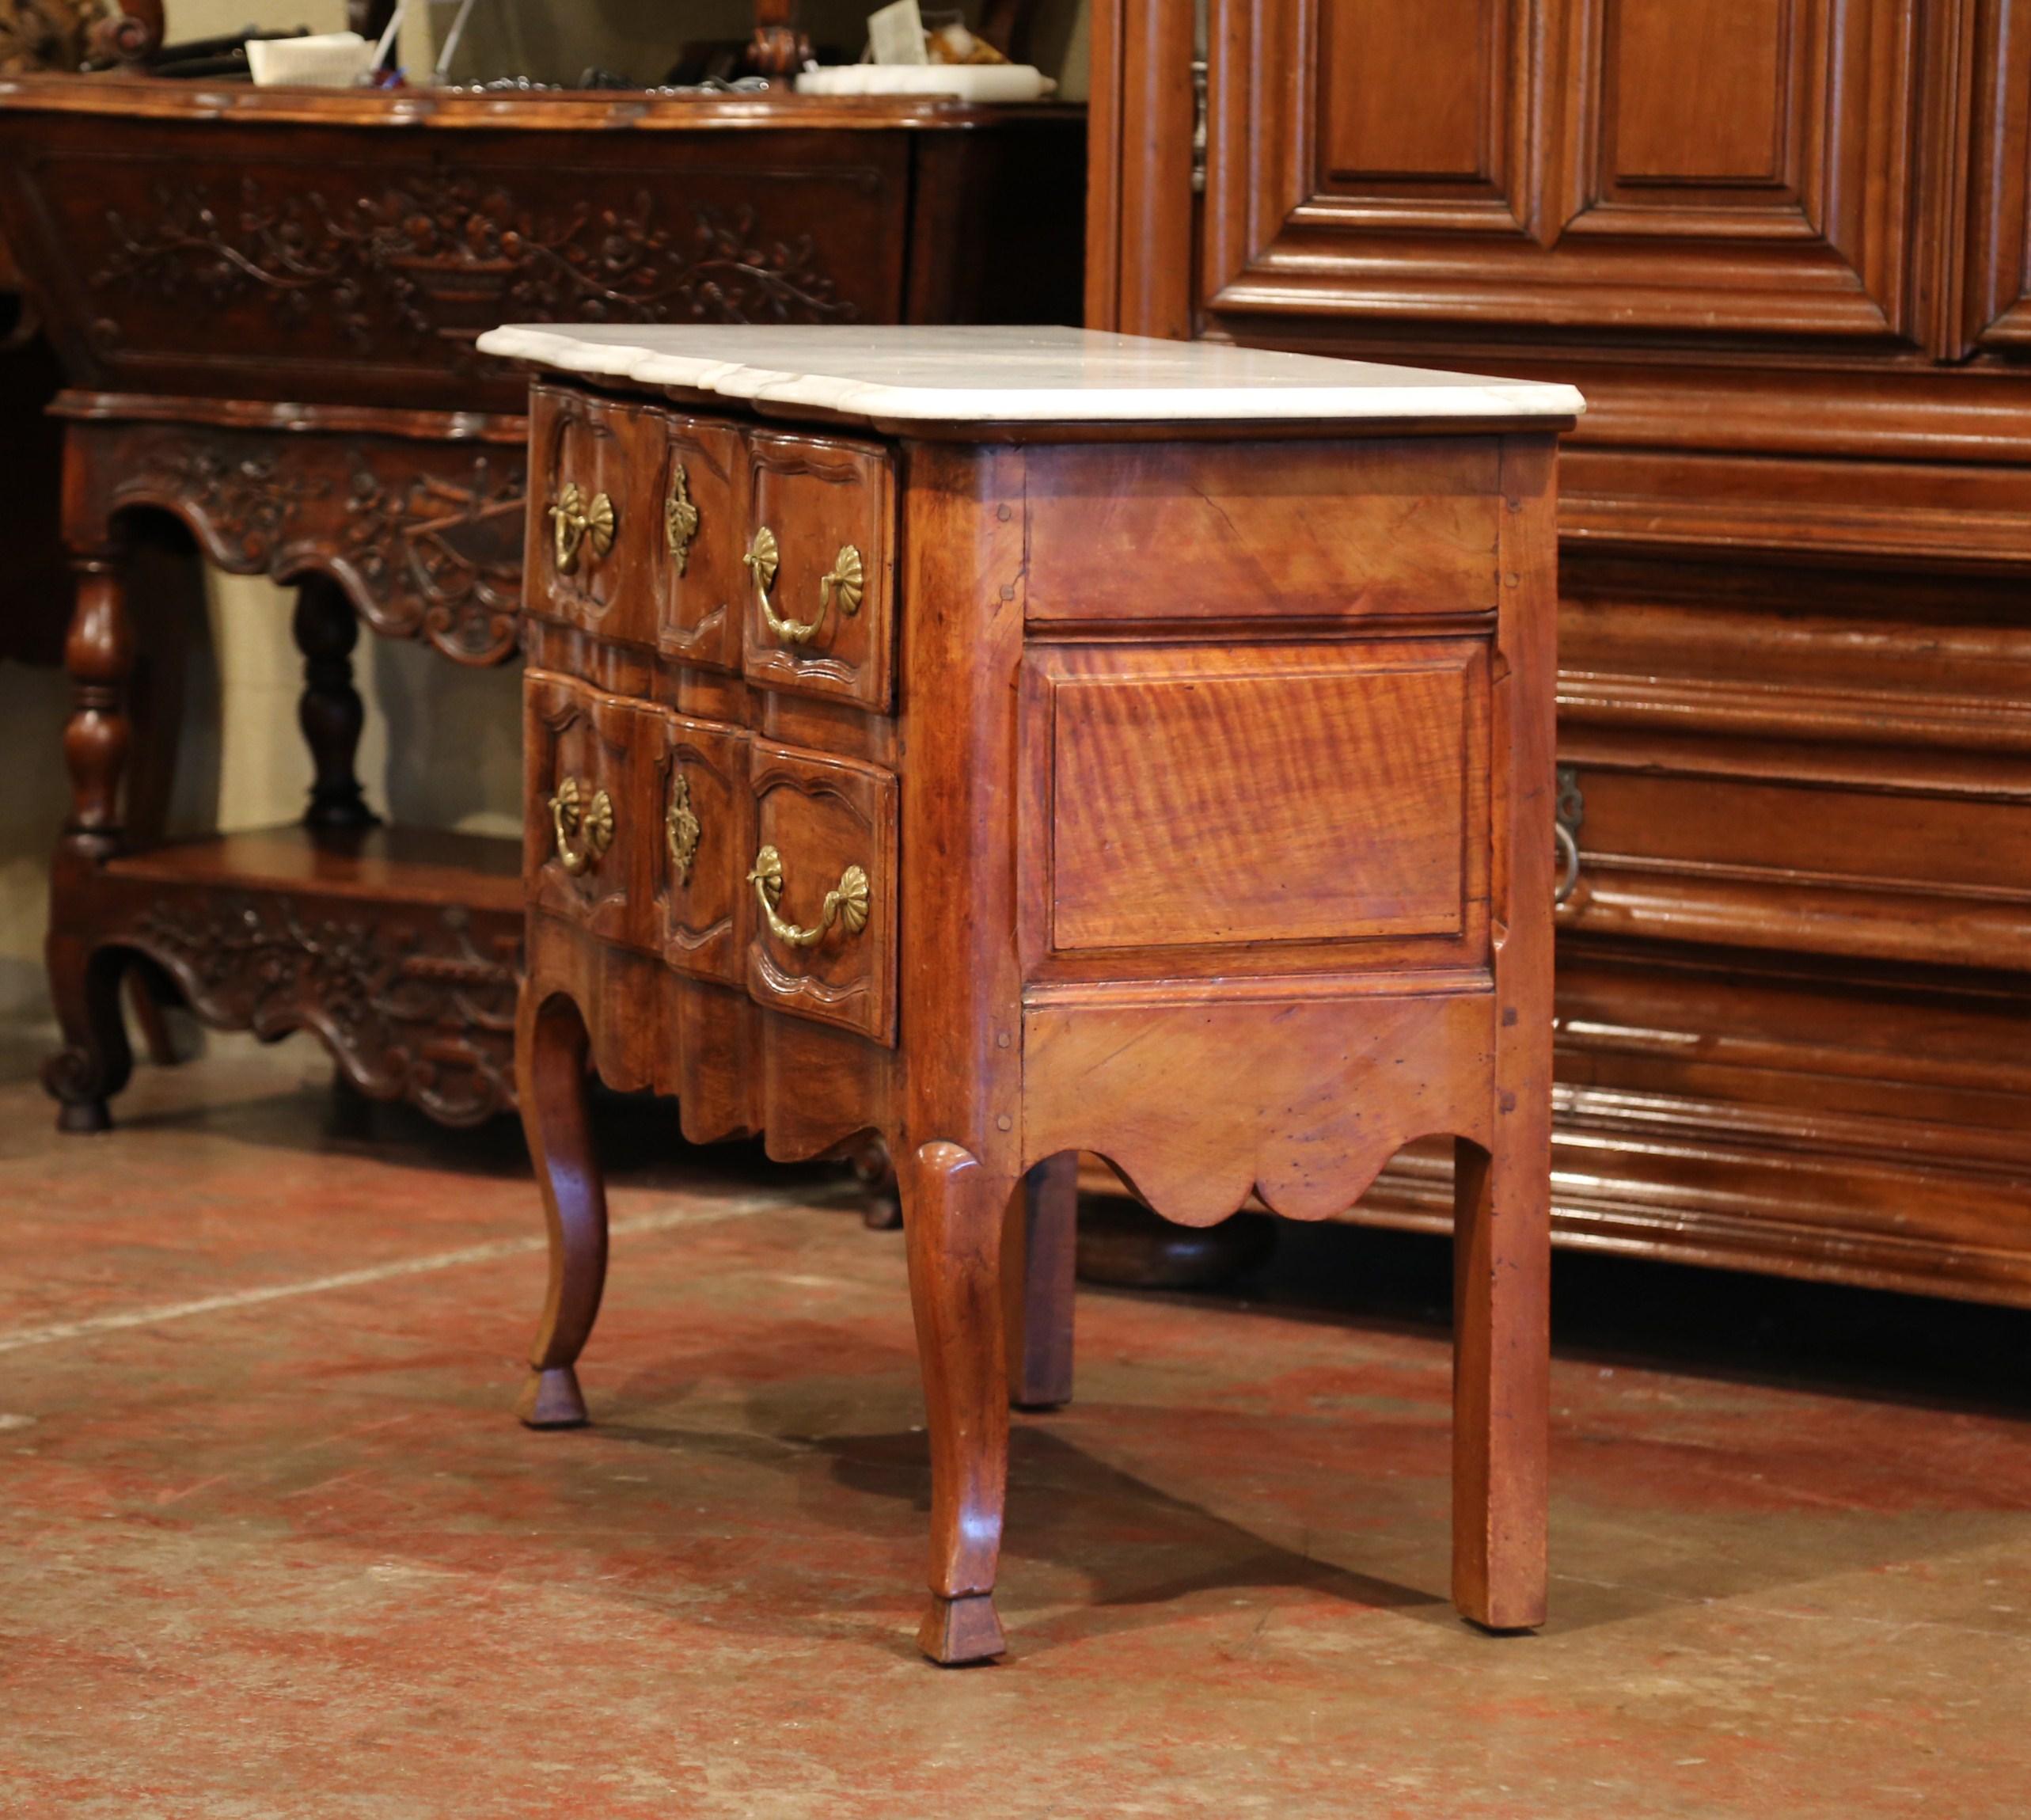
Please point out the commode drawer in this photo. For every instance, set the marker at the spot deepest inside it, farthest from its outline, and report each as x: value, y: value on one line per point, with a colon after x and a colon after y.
x: 591, y: 824
x: 705, y: 844
x: 589, y: 560
x: 822, y: 890
x: 820, y: 615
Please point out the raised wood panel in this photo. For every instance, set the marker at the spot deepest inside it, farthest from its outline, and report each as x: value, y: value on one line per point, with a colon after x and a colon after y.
x: 1664, y: 63
x: 819, y: 495
x: 1204, y: 799
x: 1321, y: 532
x: 1450, y: 54
x: 1691, y: 167
x: 823, y: 816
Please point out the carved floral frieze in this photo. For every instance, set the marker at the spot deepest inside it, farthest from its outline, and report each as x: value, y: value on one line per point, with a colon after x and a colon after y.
x: 425, y: 537
x: 411, y: 1005
x: 439, y: 257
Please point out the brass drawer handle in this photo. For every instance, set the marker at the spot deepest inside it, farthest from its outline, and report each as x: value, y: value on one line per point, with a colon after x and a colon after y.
x: 680, y: 827
x: 844, y: 583
x: 572, y: 816
x: 680, y: 518
x: 846, y: 904
x: 578, y: 521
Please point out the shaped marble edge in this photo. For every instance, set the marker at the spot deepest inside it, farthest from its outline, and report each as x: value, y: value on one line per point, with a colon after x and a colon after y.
x: 1369, y: 392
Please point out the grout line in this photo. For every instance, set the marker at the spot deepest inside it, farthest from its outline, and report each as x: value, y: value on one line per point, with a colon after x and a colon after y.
x: 737, y: 1209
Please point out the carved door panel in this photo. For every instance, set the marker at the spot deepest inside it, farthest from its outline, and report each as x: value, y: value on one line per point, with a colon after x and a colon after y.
x: 706, y: 846
x: 1693, y: 167
x: 595, y: 523
x: 1998, y: 310
x: 592, y: 824
x: 700, y: 537
x: 820, y: 613
x: 822, y: 886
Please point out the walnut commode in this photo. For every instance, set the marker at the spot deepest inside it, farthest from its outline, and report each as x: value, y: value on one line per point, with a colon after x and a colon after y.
x: 1016, y: 743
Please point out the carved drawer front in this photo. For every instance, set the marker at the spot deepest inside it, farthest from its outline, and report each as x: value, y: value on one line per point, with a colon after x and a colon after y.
x: 706, y: 846
x: 592, y: 827
x: 699, y: 535
x: 819, y: 617
x: 594, y: 523
x: 1279, y: 803
x: 821, y: 886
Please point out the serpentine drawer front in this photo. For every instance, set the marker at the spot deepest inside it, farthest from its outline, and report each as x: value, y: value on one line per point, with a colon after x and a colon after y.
x: 1011, y: 743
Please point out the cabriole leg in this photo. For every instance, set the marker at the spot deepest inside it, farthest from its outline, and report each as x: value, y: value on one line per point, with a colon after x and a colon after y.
x: 1501, y: 1391
x: 953, y: 1215
x: 550, y: 1067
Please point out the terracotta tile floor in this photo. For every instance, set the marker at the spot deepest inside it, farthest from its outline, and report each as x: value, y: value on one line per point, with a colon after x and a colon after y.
x: 274, y: 1546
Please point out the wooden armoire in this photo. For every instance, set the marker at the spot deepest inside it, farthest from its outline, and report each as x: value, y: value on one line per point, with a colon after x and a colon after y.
x: 1784, y: 247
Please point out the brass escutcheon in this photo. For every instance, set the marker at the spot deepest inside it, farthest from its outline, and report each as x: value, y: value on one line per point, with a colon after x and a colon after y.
x: 844, y: 583
x: 845, y: 904
x: 572, y: 816
x: 680, y: 827
x: 680, y: 518
x: 577, y: 522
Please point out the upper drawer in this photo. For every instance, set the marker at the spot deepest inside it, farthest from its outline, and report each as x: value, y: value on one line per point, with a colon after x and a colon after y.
x: 820, y: 616
x: 1299, y: 532
x: 594, y: 467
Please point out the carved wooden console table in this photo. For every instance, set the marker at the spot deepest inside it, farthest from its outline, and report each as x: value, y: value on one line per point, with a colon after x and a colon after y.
x: 266, y: 303
x: 1016, y: 742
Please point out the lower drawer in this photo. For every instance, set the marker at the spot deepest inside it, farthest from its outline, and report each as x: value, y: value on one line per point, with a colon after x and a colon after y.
x: 823, y: 881
x: 732, y: 859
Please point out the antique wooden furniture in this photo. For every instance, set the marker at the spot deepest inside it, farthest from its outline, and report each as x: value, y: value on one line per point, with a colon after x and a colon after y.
x: 265, y: 302
x: 1018, y: 742
x: 1782, y: 248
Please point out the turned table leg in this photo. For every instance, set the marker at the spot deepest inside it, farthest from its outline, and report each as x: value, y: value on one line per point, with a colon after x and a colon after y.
x: 954, y: 1212
x: 1502, y: 1285
x: 330, y: 711
x: 550, y: 1066
x: 95, y: 1060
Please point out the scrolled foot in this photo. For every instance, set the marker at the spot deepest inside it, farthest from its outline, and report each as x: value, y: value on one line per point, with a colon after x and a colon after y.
x: 83, y: 1117
x: 551, y: 1399
x: 76, y: 1080
x: 955, y: 1632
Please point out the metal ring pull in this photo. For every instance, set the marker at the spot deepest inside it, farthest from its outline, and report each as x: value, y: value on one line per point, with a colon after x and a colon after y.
x: 846, y: 903
x: 573, y: 816
x: 680, y: 827
x: 1568, y: 814
x: 845, y: 582
x: 578, y: 521
x: 1569, y: 862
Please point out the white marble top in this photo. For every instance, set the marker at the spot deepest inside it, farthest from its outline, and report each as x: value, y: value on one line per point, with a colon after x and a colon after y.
x: 1017, y: 375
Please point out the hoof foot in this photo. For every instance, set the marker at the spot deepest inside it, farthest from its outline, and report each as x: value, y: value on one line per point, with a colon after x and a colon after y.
x: 551, y: 1400
x: 84, y: 1116
x: 961, y: 1630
